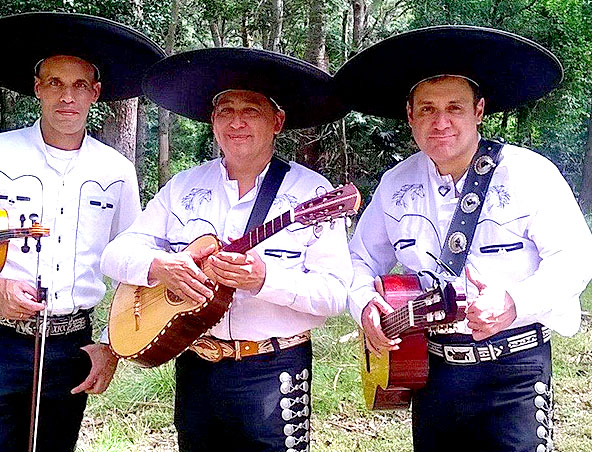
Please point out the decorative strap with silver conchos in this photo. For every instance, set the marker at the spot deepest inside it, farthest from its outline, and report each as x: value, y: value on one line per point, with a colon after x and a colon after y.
x: 464, y: 221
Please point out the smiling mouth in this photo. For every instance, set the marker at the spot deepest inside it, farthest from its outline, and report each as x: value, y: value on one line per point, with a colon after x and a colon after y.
x: 67, y: 112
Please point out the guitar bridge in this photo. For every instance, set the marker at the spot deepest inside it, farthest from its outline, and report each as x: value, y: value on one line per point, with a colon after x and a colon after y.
x: 137, y: 308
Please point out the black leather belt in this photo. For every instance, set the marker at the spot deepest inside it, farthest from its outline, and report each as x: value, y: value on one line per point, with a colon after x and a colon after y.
x: 490, y: 350
x: 56, y: 325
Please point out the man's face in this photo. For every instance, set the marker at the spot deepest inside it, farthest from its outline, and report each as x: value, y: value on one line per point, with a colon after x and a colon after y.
x: 245, y: 124
x: 444, y: 120
x: 66, y: 88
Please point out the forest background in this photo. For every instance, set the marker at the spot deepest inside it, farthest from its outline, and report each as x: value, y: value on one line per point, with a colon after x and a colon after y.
x: 136, y: 413
x: 326, y: 33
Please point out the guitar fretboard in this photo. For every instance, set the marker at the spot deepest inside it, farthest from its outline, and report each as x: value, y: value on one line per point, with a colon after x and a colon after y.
x: 407, y: 316
x: 260, y: 233
x: 398, y: 321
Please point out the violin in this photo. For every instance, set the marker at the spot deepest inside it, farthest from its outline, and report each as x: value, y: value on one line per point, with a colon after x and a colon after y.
x: 36, y: 231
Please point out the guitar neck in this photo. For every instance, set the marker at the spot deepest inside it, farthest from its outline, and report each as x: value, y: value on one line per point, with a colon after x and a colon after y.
x: 405, y: 317
x: 396, y: 322
x: 9, y: 234
x: 260, y: 233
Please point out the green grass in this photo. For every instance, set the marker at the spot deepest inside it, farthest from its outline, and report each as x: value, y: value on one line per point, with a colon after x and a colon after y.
x: 136, y: 412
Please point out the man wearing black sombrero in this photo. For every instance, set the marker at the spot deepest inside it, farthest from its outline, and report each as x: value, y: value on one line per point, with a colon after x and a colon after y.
x: 246, y: 384
x: 498, y: 220
x: 83, y: 191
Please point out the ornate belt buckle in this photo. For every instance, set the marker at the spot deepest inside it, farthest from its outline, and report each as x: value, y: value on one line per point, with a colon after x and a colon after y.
x: 459, y: 354
x: 207, y: 349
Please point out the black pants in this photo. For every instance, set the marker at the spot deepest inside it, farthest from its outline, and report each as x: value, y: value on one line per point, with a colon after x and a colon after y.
x: 487, y: 407
x: 65, y: 367
x: 258, y: 404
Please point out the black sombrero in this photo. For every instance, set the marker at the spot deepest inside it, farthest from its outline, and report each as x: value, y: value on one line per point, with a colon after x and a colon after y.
x: 187, y: 82
x: 121, y: 54
x: 509, y: 69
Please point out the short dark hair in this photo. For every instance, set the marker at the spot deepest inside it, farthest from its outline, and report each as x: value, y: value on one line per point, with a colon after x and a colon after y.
x: 96, y: 75
x: 477, y: 95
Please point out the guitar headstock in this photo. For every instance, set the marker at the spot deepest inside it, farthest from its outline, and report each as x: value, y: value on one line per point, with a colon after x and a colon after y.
x: 438, y: 306
x: 341, y: 202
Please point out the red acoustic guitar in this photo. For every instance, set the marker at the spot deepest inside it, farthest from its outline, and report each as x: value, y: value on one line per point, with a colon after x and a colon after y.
x: 388, y: 381
x: 151, y: 325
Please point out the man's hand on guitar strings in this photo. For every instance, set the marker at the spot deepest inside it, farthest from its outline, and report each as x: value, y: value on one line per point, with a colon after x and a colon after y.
x: 181, y: 275
x: 492, y: 311
x: 18, y: 300
x: 241, y: 271
x: 376, y: 341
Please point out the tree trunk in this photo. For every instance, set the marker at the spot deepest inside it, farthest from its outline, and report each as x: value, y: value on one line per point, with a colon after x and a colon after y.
x: 586, y: 190
x: 141, y: 139
x: 164, y: 167
x: 309, y: 150
x: 277, y: 20
x: 217, y: 36
x: 344, y: 33
x: 343, y: 155
x: 245, y: 31
x: 119, y: 129
x: 164, y: 170
x: 315, y: 43
x: 359, y: 13
x: 3, y: 110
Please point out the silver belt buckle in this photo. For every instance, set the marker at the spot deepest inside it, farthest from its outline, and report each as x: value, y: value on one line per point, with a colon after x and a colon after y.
x: 459, y: 354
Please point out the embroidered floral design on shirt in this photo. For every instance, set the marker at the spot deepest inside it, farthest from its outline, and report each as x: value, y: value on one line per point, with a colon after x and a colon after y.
x: 497, y: 196
x: 412, y: 190
x: 195, y: 197
x: 285, y: 198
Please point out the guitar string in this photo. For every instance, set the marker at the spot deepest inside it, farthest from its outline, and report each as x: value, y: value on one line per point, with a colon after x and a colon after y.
x: 399, y: 319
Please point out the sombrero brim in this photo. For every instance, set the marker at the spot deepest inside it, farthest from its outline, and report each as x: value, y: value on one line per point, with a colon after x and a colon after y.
x: 510, y: 70
x: 187, y: 82
x: 121, y: 54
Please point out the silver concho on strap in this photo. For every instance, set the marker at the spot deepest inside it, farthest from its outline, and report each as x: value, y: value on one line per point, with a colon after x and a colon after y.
x: 470, y: 202
x: 457, y: 242
x: 484, y: 165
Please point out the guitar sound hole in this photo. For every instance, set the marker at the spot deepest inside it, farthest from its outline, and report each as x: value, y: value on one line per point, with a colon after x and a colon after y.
x: 173, y: 299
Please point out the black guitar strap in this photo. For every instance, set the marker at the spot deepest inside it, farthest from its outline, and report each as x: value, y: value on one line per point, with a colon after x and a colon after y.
x: 269, y: 188
x: 464, y: 221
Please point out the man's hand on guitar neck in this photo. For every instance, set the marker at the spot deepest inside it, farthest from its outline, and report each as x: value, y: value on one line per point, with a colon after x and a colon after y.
x: 492, y: 311
x: 17, y: 300
x: 376, y: 341
x: 181, y: 275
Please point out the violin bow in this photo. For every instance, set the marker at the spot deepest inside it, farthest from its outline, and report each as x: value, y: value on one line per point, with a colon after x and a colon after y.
x: 38, y: 355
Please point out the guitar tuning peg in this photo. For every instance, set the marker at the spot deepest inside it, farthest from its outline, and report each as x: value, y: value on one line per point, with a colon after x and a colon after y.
x: 348, y: 222
x: 332, y: 224
x: 34, y: 218
x: 22, y: 218
x: 26, y: 248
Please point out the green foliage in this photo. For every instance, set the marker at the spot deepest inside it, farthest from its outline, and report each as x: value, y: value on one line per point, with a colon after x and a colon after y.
x: 556, y: 125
